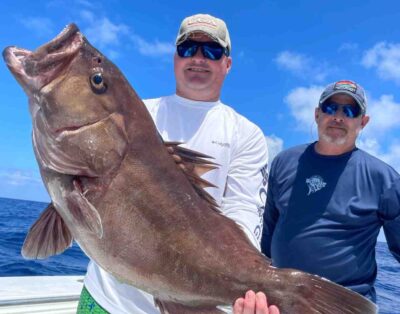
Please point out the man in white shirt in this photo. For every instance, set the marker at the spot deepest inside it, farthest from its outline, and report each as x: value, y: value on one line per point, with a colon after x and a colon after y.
x: 196, y: 116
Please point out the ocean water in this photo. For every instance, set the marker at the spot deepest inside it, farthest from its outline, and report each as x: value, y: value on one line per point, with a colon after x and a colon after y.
x: 16, y: 216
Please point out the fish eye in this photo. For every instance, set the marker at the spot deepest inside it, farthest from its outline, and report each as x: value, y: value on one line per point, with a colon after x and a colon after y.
x: 97, y: 83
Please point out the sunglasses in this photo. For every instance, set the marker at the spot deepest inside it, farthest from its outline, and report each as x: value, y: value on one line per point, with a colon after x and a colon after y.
x: 210, y: 50
x: 350, y: 111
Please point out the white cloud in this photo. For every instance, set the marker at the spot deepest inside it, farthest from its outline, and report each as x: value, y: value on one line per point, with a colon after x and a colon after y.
x: 390, y: 156
x: 302, y: 102
x: 106, y: 34
x: 303, y: 66
x: 101, y: 31
x: 292, y: 61
x: 348, y: 47
x: 385, y: 58
x: 88, y: 16
x: 377, y: 138
x: 382, y: 121
x: 22, y: 184
x: 275, y: 145
x: 19, y: 177
x: 153, y: 49
x: 371, y: 145
x: 41, y: 26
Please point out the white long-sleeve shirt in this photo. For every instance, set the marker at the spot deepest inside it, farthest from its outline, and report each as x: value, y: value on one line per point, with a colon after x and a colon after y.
x: 237, y: 145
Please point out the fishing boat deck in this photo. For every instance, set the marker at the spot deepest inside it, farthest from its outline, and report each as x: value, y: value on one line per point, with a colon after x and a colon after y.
x: 40, y: 294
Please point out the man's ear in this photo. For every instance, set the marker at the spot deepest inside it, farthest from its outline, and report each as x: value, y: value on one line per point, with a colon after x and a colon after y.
x: 228, y: 64
x: 364, y: 121
x: 316, y: 114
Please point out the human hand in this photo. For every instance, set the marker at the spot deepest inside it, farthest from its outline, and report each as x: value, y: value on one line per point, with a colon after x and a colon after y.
x: 254, y: 303
x: 185, y: 166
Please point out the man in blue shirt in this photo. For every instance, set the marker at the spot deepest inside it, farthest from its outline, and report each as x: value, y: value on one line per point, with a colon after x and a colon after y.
x: 328, y: 200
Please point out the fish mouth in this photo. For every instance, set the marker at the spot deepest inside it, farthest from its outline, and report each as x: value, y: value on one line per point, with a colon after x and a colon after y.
x: 35, y: 69
x: 67, y: 130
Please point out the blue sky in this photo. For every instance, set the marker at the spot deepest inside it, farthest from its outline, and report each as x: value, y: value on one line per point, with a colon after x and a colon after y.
x: 284, y: 53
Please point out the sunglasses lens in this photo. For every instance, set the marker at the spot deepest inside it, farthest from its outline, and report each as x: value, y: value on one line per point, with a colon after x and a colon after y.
x: 348, y: 110
x: 329, y: 108
x: 210, y: 50
x: 351, y: 111
x: 187, y: 49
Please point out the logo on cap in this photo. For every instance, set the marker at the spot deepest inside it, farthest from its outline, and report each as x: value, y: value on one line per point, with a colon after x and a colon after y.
x: 346, y: 85
x: 202, y: 21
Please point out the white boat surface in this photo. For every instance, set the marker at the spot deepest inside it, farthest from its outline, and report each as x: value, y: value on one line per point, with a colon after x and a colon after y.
x: 40, y: 294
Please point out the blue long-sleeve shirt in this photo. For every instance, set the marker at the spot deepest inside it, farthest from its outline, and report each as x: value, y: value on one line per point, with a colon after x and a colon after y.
x: 323, y: 214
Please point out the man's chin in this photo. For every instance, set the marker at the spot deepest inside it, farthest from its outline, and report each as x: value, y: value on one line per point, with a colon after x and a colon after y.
x: 334, y: 140
x: 198, y: 86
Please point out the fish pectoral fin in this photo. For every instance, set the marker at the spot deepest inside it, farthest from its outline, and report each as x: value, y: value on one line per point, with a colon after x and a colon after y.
x: 49, y: 235
x: 83, y: 211
x: 194, y: 165
x: 176, y: 308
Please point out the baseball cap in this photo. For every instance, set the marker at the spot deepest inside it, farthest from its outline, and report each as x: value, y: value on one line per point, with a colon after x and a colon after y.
x: 346, y: 87
x: 207, y: 24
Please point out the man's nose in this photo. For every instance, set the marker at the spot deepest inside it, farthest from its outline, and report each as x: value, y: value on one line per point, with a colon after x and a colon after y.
x: 198, y: 55
x: 339, y: 114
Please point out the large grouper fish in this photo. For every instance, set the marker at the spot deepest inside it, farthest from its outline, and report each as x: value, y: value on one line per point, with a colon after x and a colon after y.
x: 136, y: 204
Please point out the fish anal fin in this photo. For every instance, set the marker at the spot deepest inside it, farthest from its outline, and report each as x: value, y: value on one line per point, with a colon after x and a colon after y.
x: 49, y: 235
x: 83, y: 211
x: 176, y: 308
x: 194, y: 165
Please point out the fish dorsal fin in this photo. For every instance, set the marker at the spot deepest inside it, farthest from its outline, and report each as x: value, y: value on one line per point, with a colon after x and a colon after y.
x: 49, y: 235
x: 194, y: 164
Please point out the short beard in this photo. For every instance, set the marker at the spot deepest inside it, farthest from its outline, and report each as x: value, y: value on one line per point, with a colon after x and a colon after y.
x: 336, y: 141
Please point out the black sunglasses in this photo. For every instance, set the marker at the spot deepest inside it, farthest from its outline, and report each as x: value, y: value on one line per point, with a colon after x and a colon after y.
x: 350, y: 111
x: 210, y: 50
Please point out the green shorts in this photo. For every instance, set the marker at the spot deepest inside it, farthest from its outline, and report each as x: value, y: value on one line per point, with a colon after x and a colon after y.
x: 88, y: 305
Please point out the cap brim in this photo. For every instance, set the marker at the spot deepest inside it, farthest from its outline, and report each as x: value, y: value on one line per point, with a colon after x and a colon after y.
x: 186, y: 35
x: 335, y: 92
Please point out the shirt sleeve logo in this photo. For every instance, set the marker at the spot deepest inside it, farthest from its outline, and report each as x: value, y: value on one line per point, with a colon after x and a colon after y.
x: 264, y: 173
x: 263, y: 198
x: 315, y: 183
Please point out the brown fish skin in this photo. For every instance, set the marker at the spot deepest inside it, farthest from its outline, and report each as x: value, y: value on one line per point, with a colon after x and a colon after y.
x: 118, y: 192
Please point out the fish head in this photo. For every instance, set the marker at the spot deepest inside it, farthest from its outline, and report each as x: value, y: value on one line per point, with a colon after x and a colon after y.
x: 77, y: 100
x: 66, y: 79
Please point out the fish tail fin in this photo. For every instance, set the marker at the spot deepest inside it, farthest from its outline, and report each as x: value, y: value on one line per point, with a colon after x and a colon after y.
x: 338, y: 299
x: 306, y: 293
